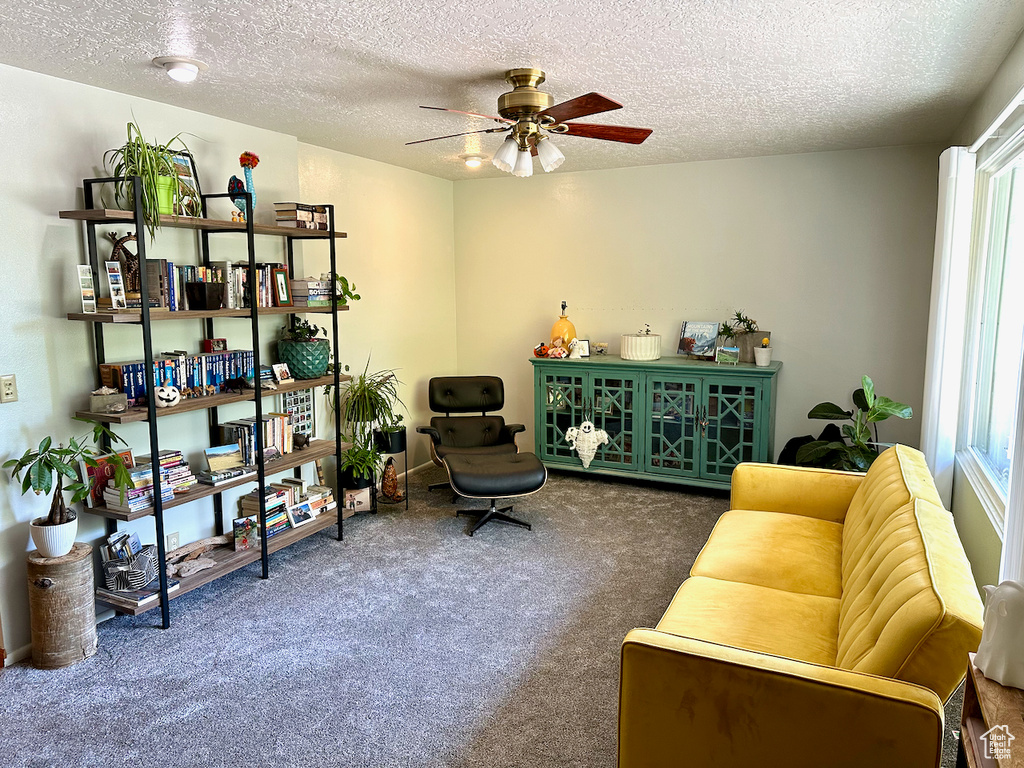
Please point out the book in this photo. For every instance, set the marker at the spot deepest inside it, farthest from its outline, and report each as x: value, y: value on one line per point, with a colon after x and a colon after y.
x: 697, y: 339
x: 143, y: 596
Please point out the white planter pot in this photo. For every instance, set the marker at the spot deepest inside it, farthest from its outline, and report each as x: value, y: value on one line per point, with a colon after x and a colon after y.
x: 641, y: 347
x: 53, y: 540
x: 762, y: 356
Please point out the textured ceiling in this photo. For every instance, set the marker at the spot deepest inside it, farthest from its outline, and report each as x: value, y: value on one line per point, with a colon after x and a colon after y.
x: 713, y: 78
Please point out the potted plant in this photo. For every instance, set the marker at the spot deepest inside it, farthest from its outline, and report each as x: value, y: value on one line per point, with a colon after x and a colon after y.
x: 153, y: 162
x: 862, y: 450
x: 390, y: 437
x: 358, y: 467
x: 742, y: 329
x: 763, y: 353
x: 344, y: 291
x: 306, y: 355
x: 367, y: 402
x: 54, y: 535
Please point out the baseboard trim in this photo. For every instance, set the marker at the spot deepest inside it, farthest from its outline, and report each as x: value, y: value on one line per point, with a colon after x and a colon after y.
x: 18, y: 654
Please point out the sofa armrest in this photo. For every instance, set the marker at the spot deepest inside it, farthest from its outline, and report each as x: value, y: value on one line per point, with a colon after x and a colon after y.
x: 821, y: 493
x: 687, y: 702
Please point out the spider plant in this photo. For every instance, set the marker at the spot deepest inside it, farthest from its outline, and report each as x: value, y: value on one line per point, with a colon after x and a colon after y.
x: 149, y: 161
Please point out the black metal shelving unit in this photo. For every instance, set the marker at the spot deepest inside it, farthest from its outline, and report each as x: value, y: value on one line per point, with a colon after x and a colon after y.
x: 93, y: 218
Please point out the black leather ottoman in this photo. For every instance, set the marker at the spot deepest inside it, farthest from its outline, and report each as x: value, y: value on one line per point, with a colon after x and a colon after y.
x: 495, y: 477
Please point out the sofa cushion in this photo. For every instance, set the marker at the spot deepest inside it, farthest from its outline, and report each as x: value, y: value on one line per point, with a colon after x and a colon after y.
x: 910, y: 609
x: 756, y: 618
x: 773, y: 549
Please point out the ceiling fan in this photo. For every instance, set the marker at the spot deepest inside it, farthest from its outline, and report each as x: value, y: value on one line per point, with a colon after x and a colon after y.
x: 529, y: 115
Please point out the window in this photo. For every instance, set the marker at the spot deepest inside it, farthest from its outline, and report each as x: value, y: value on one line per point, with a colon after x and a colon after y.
x: 995, y: 338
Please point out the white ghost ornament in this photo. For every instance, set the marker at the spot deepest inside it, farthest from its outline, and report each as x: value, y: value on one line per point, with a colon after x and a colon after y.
x: 585, y: 440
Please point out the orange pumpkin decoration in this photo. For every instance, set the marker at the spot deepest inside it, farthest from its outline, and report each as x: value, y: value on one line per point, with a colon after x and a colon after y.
x: 541, y: 350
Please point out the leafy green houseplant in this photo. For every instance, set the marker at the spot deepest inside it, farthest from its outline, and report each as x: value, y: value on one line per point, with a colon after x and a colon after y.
x: 45, y: 463
x: 153, y: 162
x: 742, y: 331
x: 863, y: 447
x: 305, y: 353
x: 344, y: 291
x: 367, y: 402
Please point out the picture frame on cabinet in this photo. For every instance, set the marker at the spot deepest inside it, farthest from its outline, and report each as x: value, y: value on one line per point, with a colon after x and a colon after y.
x: 282, y: 290
x: 281, y: 373
x: 300, y: 514
x: 115, y: 283
x: 584, y: 347
x: 190, y: 193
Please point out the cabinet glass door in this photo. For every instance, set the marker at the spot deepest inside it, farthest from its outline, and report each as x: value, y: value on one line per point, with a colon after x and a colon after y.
x: 561, y: 405
x: 732, y: 430
x: 673, y: 435
x: 615, y: 400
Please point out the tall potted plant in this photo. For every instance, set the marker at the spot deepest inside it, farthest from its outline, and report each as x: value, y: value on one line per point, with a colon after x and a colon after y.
x: 742, y: 330
x: 306, y: 355
x: 367, y: 401
x: 54, y: 535
x: 863, y: 448
x: 153, y: 162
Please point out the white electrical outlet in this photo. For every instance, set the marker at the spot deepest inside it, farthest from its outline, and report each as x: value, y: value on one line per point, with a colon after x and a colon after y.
x: 172, y: 541
x: 8, y: 388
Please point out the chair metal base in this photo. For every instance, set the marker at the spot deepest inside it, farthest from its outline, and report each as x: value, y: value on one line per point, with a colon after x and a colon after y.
x: 486, y: 515
x: 435, y: 486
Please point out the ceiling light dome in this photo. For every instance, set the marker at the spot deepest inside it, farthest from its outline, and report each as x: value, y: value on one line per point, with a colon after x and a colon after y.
x: 549, y: 155
x: 524, y: 164
x: 178, y: 68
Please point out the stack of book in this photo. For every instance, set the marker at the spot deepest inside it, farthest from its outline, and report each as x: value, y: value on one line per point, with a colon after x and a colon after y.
x: 278, y: 438
x: 277, y: 509
x: 174, y: 470
x: 138, y: 597
x: 301, y: 215
x: 309, y: 292
x: 139, y: 493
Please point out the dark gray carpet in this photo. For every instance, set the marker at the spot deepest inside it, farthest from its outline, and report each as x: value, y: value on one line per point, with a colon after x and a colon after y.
x: 409, y: 644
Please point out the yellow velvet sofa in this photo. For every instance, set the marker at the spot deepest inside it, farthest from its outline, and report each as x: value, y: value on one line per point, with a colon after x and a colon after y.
x: 824, y: 623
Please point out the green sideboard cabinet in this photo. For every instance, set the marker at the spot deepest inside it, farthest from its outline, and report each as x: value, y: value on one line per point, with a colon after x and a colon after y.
x: 674, y: 420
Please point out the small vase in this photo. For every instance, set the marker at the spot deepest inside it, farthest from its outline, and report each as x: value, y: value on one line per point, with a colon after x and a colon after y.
x: 762, y: 356
x: 563, y: 329
x: 53, y: 540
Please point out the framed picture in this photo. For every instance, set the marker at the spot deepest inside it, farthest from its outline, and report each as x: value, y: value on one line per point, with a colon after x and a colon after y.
x: 300, y: 514
x: 727, y: 355
x: 355, y: 501
x: 101, y: 474
x: 282, y: 291
x: 281, y: 373
x: 88, y: 288
x: 188, y: 185
x: 115, y: 282
x: 215, y: 345
x: 299, y: 407
x: 584, y: 347
x: 247, y: 533
x: 697, y: 339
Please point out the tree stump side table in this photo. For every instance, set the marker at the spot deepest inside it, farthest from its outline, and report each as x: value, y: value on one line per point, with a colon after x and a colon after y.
x: 62, y: 602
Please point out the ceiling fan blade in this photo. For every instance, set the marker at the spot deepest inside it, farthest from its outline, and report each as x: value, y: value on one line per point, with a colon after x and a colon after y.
x: 581, y: 106
x: 453, y: 135
x: 620, y: 133
x: 471, y: 114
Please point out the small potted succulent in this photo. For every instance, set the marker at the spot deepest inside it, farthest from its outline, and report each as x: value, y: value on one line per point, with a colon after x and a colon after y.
x: 390, y: 437
x: 307, y: 355
x: 54, y: 535
x: 154, y: 163
x: 763, y: 353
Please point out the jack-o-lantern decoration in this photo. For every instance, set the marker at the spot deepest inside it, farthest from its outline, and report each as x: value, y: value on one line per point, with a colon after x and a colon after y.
x: 167, y: 396
x: 541, y: 350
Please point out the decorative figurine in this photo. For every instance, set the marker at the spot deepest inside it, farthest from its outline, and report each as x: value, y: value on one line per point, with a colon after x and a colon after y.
x: 541, y: 350
x: 574, y: 350
x: 586, y: 439
x: 129, y: 261
x: 1001, y: 653
x: 236, y: 189
x: 167, y: 396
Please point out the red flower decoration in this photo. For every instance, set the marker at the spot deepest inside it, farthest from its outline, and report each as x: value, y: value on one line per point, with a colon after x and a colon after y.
x: 249, y: 160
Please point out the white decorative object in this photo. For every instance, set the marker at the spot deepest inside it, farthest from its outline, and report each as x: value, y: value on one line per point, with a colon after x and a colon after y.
x: 1001, y: 653
x: 575, y: 351
x: 167, y: 396
x: 585, y: 440
x: 762, y: 356
x: 53, y: 540
x: 641, y: 346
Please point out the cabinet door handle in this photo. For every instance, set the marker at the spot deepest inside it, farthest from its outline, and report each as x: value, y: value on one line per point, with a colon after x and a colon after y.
x: 703, y: 421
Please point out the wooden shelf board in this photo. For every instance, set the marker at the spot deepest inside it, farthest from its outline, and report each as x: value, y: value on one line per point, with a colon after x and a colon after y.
x: 141, y: 413
x: 114, y: 216
x: 135, y: 317
x: 229, y: 560
x: 318, y: 449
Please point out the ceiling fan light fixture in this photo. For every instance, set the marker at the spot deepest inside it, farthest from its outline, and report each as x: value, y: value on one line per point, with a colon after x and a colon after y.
x: 505, y: 157
x: 524, y: 164
x: 180, y: 69
x: 549, y: 155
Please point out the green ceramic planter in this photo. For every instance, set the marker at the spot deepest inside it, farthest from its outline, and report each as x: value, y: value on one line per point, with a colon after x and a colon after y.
x: 305, y: 359
x: 165, y: 194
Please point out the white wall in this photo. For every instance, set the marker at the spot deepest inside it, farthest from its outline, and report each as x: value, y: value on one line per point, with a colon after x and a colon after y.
x: 54, y: 133
x: 399, y: 253
x: 830, y: 251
